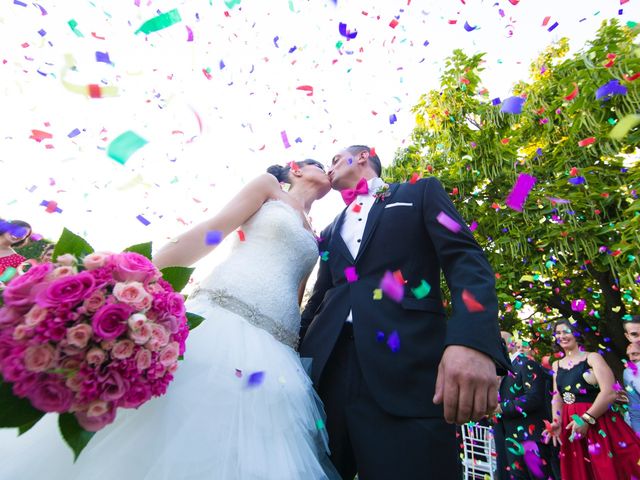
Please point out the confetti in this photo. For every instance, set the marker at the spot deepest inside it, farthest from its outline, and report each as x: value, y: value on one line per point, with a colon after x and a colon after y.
x: 520, y: 191
x: 573, y: 94
x: 213, y: 237
x: 391, y: 287
x: 421, y: 290
x: 468, y: 27
x: 241, y: 236
x: 448, y: 222
x: 342, y: 28
x: 306, y: 88
x: 587, y: 141
x: 609, y: 89
x: 73, y: 24
x: 162, y: 21
x: 471, y: 303
x: 103, y: 57
x: 285, y: 140
x: 393, y: 341
x: 143, y: 220
x: 8, y: 274
x: 255, y: 379
x: 350, y: 274
x: 125, y: 145
x: 512, y: 105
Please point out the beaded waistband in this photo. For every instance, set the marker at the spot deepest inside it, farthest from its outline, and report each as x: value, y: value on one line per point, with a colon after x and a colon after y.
x: 223, y: 299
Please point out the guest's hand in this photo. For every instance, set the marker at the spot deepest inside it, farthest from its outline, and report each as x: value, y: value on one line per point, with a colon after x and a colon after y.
x: 552, y: 433
x: 578, y: 431
x: 466, y: 384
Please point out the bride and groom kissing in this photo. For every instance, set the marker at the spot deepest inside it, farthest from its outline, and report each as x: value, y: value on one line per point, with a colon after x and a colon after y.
x: 389, y: 377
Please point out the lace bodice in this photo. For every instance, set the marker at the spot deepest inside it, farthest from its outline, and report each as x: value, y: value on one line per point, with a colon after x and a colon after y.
x: 264, y: 271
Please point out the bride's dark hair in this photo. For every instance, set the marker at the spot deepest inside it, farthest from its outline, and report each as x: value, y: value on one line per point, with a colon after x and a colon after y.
x: 282, y: 173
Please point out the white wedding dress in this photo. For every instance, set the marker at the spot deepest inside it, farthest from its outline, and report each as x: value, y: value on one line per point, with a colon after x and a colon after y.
x: 241, y: 405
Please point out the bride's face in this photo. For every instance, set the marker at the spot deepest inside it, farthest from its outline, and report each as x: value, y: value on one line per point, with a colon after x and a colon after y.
x: 314, y: 175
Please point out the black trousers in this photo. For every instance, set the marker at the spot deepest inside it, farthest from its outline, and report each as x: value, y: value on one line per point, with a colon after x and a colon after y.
x: 512, y: 466
x: 365, y: 439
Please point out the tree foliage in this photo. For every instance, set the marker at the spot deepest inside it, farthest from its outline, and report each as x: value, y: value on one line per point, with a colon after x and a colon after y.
x: 573, y: 249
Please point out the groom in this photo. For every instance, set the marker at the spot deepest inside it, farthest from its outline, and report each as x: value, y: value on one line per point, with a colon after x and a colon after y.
x: 395, y: 375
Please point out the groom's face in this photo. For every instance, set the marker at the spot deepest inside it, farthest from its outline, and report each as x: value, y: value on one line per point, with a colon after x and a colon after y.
x: 344, y: 170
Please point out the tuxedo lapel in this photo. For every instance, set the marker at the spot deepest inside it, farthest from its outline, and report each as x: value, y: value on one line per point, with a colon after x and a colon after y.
x: 337, y: 242
x: 374, y: 216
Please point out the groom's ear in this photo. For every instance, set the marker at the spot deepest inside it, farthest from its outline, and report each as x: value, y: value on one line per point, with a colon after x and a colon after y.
x: 363, y: 157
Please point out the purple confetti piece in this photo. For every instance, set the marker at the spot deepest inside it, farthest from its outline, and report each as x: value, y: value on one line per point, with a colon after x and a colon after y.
x: 285, y: 140
x: 394, y: 341
x: 610, y: 89
x: 189, y: 34
x: 391, y: 287
x: 577, y: 180
x: 222, y: 65
x: 468, y: 27
x: 552, y: 27
x: 351, y: 274
x: 515, y: 200
x: 103, y: 57
x: 578, y: 305
x: 342, y: 28
x: 532, y: 458
x: 474, y: 226
x: 255, y: 379
x: 496, y: 101
x: 42, y: 32
x: 512, y: 105
x: 143, y: 220
x: 392, y: 118
x: 213, y: 237
x: 447, y: 222
x: 43, y: 12
x: 298, y: 140
x: 275, y: 41
x: 73, y: 133
x: 558, y: 200
x: 426, y: 42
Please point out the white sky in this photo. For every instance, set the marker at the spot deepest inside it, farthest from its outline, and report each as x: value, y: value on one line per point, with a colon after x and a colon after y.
x: 187, y: 174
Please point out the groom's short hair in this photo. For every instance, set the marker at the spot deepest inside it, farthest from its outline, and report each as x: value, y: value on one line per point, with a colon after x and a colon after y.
x: 374, y: 160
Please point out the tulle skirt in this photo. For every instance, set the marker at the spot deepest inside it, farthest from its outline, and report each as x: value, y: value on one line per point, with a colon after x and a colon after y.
x: 609, y: 451
x: 240, y: 407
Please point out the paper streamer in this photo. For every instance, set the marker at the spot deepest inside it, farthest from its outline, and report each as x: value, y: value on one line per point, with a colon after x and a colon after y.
x: 125, y: 145
x: 91, y: 90
x: 162, y: 21
x: 515, y: 200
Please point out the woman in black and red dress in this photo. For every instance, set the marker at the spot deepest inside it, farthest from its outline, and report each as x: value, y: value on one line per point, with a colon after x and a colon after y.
x: 595, y: 443
x: 12, y: 234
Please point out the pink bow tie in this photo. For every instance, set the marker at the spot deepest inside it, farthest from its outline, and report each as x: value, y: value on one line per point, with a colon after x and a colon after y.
x: 350, y: 194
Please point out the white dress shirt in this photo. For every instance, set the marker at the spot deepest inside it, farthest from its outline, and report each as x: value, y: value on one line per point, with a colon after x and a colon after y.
x: 354, y: 221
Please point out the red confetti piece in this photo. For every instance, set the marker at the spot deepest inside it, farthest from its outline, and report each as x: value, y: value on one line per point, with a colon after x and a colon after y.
x: 393, y: 23
x: 471, y: 303
x: 95, y: 35
x: 631, y: 78
x: 39, y: 135
x: 306, y: 88
x: 586, y: 141
x: 240, y: 235
x: 545, y: 21
x: 51, y: 206
x: 414, y: 178
x: 514, y: 2
x: 206, y: 73
x: 356, y: 208
x: 294, y: 166
x: 94, y: 91
x: 573, y: 94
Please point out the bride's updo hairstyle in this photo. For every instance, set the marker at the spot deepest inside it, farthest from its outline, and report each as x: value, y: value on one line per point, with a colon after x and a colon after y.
x: 282, y: 173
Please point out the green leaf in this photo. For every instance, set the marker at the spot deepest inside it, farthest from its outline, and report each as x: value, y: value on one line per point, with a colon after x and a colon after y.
x: 178, y: 277
x: 74, y: 435
x: 141, y: 248
x: 194, y: 320
x: 71, y: 243
x: 16, y: 412
x: 26, y: 427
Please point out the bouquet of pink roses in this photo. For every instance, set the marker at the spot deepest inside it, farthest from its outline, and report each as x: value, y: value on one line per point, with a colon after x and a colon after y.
x: 88, y: 334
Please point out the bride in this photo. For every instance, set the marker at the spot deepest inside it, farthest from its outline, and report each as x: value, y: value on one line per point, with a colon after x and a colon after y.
x: 241, y: 405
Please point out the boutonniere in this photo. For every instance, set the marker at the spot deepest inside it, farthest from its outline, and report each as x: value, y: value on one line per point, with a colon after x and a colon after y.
x: 382, y: 193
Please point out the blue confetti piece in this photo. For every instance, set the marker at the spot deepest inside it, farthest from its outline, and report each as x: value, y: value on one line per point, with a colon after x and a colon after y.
x: 426, y: 42
x: 552, y: 27
x: 496, y: 101
x: 380, y: 336
x: 42, y: 32
x: 73, y: 133
x: 255, y: 379
x: 103, y: 57
x: 512, y: 105
x: 468, y: 27
x: 222, y: 65
x: 213, y: 237
x: 392, y: 118
x: 18, y: 2
x: 577, y: 180
x: 292, y: 49
x: 275, y: 41
x: 143, y: 220
x: 394, y: 341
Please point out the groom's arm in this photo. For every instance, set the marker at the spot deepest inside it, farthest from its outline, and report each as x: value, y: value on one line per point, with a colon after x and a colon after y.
x: 323, y: 283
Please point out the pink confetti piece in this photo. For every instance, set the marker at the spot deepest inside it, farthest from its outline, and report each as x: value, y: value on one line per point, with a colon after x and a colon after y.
x: 285, y: 140
x: 471, y: 303
x: 391, y: 287
x: 447, y: 222
x: 306, y: 88
x: 350, y: 274
x: 515, y: 200
x: 578, y: 305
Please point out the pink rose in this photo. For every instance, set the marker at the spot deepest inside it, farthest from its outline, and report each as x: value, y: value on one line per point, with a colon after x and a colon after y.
x: 63, y: 271
x: 93, y: 424
x: 9, y: 316
x: 141, y: 335
x: 132, y: 266
x: 79, y: 335
x: 122, y: 349
x: 95, y: 356
x: 111, y: 320
x: 40, y: 358
x: 51, y: 395
x: 66, y: 290
x: 97, y: 408
x: 137, y: 320
x: 143, y: 359
x: 94, y: 301
x: 159, y: 334
x: 172, y: 368
x: 175, y: 305
x: 95, y: 260
x: 169, y: 354
x: 113, y: 386
x: 136, y: 396
x: 74, y: 383
x: 35, y: 316
x: 21, y: 332
x: 132, y: 293
x: 19, y: 291
x: 66, y: 259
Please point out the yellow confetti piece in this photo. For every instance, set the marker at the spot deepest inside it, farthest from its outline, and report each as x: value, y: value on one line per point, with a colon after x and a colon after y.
x: 623, y: 126
x: 377, y: 294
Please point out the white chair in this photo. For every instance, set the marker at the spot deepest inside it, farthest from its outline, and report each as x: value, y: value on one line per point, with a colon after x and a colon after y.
x: 479, y: 453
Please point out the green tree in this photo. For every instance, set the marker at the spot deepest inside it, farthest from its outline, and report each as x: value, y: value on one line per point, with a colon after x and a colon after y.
x: 573, y: 249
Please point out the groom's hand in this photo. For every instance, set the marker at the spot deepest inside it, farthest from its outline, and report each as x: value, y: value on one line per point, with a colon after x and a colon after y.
x: 466, y: 384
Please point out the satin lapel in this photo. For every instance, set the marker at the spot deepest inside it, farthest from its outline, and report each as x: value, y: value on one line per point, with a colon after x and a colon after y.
x: 373, y: 218
x: 337, y: 242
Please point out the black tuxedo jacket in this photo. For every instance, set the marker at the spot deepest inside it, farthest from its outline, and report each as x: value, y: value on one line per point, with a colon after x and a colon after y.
x: 402, y: 233
x: 523, y: 400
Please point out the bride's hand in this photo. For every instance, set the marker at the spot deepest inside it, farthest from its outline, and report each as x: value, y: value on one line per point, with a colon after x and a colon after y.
x: 552, y: 432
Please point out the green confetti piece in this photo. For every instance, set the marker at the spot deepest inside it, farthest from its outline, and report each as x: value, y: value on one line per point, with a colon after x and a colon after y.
x: 125, y: 145
x: 319, y: 424
x: 631, y: 24
x: 231, y: 3
x: 160, y: 22
x: 601, y: 432
x: 421, y: 290
x: 8, y: 274
x: 578, y: 421
x: 622, y: 128
x: 339, y: 44
x: 73, y: 24
x: 291, y: 6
